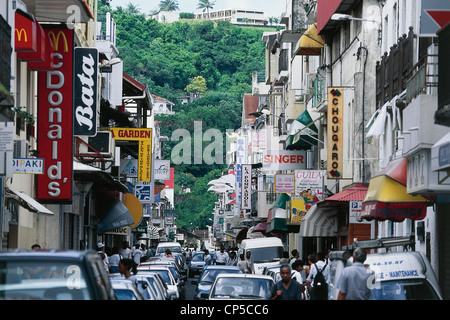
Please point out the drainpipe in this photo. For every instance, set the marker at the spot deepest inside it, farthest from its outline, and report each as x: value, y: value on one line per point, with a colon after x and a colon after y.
x: 363, y: 170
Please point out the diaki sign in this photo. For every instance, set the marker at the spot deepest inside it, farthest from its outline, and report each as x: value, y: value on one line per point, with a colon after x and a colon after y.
x: 335, y: 128
x: 144, y: 136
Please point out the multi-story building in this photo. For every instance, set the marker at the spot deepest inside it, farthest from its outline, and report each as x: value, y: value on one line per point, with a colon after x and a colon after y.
x: 235, y: 16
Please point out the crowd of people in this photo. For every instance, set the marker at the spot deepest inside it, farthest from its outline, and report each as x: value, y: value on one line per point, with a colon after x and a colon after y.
x: 311, y: 281
x: 229, y: 257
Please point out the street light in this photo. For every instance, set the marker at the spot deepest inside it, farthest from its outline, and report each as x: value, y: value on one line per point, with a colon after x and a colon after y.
x: 345, y: 17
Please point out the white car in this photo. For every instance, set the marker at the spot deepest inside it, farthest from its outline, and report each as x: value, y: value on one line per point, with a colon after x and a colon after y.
x: 125, y: 289
x: 231, y: 286
x: 166, y: 275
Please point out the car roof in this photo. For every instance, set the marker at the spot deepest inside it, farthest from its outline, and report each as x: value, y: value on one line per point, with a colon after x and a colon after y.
x: 244, y: 275
x: 222, y: 267
x: 30, y: 255
x: 121, y: 283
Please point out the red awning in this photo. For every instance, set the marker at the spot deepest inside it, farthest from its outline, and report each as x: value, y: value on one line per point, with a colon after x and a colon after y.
x: 354, y: 192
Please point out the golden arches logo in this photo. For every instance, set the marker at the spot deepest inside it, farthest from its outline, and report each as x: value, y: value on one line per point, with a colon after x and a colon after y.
x: 56, y: 39
x: 19, y: 34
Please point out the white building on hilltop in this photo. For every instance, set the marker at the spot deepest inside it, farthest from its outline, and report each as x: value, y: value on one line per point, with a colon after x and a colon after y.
x: 235, y: 16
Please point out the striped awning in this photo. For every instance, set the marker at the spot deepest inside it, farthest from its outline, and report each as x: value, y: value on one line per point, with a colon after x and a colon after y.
x: 319, y: 222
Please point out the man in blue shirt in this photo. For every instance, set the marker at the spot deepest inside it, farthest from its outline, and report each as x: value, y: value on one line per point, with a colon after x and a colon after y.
x: 286, y: 288
x: 353, y: 283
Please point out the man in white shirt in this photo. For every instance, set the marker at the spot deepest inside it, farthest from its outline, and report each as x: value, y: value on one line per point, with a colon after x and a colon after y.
x: 321, y: 265
x: 137, y: 254
x: 221, y: 257
x: 125, y: 252
x: 297, y: 268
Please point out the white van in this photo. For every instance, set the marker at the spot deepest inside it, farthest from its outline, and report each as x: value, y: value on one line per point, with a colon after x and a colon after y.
x: 402, y: 275
x: 174, y: 247
x: 264, y: 251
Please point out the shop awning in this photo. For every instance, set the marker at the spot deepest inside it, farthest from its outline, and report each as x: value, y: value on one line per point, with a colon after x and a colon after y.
x: 304, y: 133
x: 310, y: 43
x: 387, y: 199
x: 319, y: 221
x: 117, y: 216
x: 59, y: 11
x: 29, y: 203
x: 354, y: 192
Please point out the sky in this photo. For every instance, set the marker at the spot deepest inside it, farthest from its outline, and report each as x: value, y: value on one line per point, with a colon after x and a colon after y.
x: 272, y: 8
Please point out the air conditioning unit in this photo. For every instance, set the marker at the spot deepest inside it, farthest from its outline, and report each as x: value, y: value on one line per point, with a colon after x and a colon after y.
x: 103, y: 142
x: 21, y: 149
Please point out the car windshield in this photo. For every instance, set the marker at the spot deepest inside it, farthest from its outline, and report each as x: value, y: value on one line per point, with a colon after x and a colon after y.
x: 268, y: 254
x: 172, y: 249
x: 198, y: 257
x: 242, y: 288
x: 124, y: 294
x: 164, y: 274
x: 42, y: 280
x: 209, y: 275
x: 417, y: 289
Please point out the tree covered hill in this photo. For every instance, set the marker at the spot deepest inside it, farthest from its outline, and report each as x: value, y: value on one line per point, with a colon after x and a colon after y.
x: 166, y: 57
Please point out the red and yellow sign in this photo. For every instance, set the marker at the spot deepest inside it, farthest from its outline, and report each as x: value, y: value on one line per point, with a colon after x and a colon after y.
x: 55, y: 115
x: 144, y: 136
x: 335, y: 129
x: 24, y: 34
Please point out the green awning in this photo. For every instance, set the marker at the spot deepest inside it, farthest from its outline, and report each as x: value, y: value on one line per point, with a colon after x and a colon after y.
x: 306, y: 134
x: 281, y: 203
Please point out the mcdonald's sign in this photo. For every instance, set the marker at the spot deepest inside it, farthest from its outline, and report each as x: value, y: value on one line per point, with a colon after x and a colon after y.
x: 56, y: 37
x: 55, y: 116
x: 33, y: 56
x: 25, y: 34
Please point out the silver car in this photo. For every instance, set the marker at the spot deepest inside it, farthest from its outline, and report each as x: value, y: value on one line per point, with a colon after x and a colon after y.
x: 125, y: 289
x: 229, y: 286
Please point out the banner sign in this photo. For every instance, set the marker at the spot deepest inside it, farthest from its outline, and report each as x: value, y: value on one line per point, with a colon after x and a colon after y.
x: 129, y: 167
x: 28, y: 165
x: 85, y: 91
x: 144, y: 136
x: 161, y: 169
x: 297, y: 210
x: 284, y: 183
x: 55, y: 116
x: 276, y: 160
x: 335, y: 129
x: 309, y: 181
x: 246, y: 187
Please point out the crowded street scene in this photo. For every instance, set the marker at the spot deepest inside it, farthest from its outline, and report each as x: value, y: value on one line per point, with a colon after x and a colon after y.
x: 250, y: 152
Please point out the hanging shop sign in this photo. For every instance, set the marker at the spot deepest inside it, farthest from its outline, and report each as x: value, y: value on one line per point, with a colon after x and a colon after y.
x: 144, y: 136
x: 246, y: 187
x: 55, y: 130
x: 28, y: 165
x: 161, y: 169
x: 335, y: 129
x: 276, y: 160
x: 284, y: 183
x: 85, y: 91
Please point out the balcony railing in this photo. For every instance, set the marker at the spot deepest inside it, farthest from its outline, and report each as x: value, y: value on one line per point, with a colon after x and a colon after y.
x: 423, y: 77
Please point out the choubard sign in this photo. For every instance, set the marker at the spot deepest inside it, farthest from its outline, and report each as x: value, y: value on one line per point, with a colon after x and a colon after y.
x: 85, y: 91
x: 335, y: 129
x: 55, y: 130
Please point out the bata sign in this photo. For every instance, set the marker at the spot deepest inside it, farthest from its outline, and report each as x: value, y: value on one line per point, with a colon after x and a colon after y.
x: 274, y: 160
x: 55, y: 130
x: 335, y: 129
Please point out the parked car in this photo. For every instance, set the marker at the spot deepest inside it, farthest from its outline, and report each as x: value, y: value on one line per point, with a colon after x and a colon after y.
x: 157, y: 284
x: 142, y: 285
x: 179, y: 280
x: 54, y: 275
x: 174, y: 288
x: 125, y: 289
x: 241, y: 287
x: 207, y: 277
x: 197, y: 263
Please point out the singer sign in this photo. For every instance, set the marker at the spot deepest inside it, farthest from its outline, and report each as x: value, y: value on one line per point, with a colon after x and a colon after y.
x: 55, y: 130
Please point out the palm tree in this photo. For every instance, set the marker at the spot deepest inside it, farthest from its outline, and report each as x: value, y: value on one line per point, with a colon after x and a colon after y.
x: 168, y: 5
x: 133, y: 9
x: 206, y: 5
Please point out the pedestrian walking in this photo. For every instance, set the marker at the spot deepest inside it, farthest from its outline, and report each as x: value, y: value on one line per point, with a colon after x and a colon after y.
x: 103, y: 256
x: 319, y: 278
x: 285, y: 258
x: 137, y: 255
x: 242, y: 263
x: 36, y: 247
x: 232, y: 261
x: 114, y: 260
x: 207, y: 258
x: 297, y: 268
x: 286, y: 288
x: 221, y: 257
x: 295, y: 256
x: 125, y: 251
x: 353, y: 282
x: 128, y: 269
x: 251, y: 265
